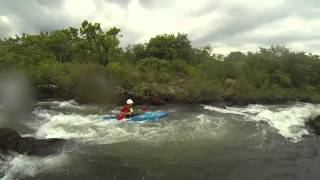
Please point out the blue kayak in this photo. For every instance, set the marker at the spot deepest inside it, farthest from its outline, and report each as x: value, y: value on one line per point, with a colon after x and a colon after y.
x: 146, y: 116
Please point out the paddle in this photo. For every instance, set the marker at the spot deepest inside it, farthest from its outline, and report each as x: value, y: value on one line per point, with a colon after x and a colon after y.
x: 121, y: 116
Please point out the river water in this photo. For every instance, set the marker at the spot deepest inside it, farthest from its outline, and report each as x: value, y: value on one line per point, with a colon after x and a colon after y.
x: 194, y: 142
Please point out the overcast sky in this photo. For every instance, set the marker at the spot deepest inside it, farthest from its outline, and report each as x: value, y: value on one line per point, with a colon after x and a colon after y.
x: 226, y: 25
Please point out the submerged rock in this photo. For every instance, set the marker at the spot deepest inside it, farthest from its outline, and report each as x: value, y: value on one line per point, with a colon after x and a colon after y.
x: 314, y: 124
x: 10, y: 140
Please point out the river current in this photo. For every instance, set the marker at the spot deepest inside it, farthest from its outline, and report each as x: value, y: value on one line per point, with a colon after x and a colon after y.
x: 194, y: 142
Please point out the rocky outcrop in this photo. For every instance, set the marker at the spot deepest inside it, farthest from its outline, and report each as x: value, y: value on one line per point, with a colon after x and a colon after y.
x: 314, y: 124
x: 156, y: 100
x: 47, y: 91
x: 10, y: 140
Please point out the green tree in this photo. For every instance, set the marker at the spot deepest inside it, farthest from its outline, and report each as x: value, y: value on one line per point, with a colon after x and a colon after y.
x: 169, y: 46
x: 102, y: 43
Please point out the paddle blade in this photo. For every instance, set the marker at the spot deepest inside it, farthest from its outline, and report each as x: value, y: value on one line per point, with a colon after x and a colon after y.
x: 120, y: 117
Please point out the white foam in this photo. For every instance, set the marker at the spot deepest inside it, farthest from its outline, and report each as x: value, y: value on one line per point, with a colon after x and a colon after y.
x: 209, y: 126
x: 67, y: 126
x: 65, y: 104
x: 205, y: 120
x: 250, y: 109
x: 115, y: 111
x: 288, y: 121
x: 91, y: 128
x: 70, y: 103
x: 29, y: 166
x: 222, y: 110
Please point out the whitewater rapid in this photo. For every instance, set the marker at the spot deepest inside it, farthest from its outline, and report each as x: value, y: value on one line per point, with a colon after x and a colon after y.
x: 186, y: 126
x: 289, y: 121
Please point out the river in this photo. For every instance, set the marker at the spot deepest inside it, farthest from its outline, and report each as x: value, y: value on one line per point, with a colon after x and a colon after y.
x: 198, y: 142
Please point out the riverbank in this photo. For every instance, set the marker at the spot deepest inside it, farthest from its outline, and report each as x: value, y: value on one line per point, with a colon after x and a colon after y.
x: 72, y: 63
x: 181, y: 97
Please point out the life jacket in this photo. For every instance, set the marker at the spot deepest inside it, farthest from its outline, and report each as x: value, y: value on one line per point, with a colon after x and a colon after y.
x: 124, y: 110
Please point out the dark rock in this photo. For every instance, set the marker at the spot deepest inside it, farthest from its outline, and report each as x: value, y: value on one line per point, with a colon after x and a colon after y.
x: 157, y: 101
x: 168, y: 98
x: 10, y: 140
x: 237, y: 101
x: 223, y: 105
x: 42, y: 147
x: 47, y: 91
x: 314, y: 124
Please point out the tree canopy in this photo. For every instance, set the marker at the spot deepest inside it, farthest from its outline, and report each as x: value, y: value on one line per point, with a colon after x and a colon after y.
x: 166, y: 65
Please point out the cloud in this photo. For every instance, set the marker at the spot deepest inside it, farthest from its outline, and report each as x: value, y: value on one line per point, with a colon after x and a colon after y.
x: 32, y: 16
x: 247, y: 28
x: 228, y: 25
x: 154, y: 4
x: 122, y: 3
x: 50, y: 3
x: 237, y: 19
x: 4, y: 26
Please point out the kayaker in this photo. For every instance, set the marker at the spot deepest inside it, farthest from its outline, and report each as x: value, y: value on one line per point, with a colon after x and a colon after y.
x: 126, y: 110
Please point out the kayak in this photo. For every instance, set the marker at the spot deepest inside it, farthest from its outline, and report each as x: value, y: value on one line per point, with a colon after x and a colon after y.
x: 146, y: 116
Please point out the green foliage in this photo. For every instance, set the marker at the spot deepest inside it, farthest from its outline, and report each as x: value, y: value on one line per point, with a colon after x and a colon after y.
x: 281, y: 78
x: 169, y: 46
x: 87, y: 64
x: 99, y: 42
x: 139, y: 51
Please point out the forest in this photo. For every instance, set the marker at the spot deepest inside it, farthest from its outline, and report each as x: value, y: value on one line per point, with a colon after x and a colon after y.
x: 87, y: 64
